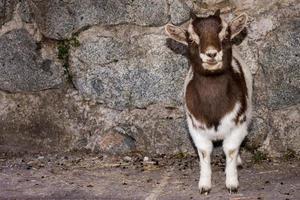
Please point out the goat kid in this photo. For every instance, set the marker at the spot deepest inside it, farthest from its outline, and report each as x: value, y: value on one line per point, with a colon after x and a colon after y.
x: 218, y: 91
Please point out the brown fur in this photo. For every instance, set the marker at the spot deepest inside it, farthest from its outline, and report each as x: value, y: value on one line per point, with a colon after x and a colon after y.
x: 208, y: 30
x: 210, y: 95
x: 243, y: 89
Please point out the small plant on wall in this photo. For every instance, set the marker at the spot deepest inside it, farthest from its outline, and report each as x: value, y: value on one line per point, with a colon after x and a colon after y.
x: 64, y: 52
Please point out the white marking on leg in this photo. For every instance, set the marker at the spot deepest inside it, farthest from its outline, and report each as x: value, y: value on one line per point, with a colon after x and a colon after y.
x: 204, y: 147
x: 205, y: 169
x: 231, y: 146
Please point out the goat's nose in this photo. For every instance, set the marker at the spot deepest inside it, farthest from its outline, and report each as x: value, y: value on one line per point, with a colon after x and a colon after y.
x: 211, y: 55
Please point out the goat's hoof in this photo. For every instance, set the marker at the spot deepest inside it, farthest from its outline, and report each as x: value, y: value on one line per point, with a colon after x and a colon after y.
x: 204, y: 190
x: 232, y: 190
x: 232, y: 184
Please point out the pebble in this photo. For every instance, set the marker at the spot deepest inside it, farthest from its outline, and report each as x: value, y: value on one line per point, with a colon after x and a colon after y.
x: 40, y: 157
x: 127, y: 159
x: 146, y: 159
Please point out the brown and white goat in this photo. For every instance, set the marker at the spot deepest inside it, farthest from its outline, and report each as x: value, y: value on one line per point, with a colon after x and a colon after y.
x: 218, y: 91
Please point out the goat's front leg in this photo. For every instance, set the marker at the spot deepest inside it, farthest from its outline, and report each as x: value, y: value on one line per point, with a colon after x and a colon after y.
x: 204, y: 147
x: 231, y: 146
x: 204, y: 153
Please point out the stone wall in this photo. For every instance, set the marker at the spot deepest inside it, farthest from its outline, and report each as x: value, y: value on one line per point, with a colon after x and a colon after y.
x: 101, y: 75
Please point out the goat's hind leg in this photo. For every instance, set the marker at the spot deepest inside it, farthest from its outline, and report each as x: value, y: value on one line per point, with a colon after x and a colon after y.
x: 231, y: 146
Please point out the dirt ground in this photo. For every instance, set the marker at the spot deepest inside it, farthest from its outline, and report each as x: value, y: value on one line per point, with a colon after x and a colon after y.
x: 90, y: 176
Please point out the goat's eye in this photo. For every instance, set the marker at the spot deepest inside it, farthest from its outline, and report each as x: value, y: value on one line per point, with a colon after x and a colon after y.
x: 191, y: 41
x: 224, y: 34
x: 227, y: 34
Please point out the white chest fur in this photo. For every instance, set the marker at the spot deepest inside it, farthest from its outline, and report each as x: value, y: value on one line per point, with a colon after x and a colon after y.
x: 225, y: 127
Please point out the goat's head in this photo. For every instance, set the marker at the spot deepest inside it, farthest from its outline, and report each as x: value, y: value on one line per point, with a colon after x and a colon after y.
x: 208, y: 39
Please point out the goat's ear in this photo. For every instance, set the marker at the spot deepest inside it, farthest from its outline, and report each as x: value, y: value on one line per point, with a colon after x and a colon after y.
x: 176, y: 33
x: 238, y: 24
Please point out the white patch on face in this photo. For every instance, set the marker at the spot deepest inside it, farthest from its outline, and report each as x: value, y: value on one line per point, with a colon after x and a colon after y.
x: 193, y: 34
x: 212, y: 50
x: 222, y: 34
x: 212, y: 63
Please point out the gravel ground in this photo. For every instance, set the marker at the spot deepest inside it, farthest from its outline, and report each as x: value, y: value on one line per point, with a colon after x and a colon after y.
x: 90, y: 176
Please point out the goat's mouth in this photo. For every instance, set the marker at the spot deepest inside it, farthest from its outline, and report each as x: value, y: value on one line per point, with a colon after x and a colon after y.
x: 212, y: 65
x: 212, y: 62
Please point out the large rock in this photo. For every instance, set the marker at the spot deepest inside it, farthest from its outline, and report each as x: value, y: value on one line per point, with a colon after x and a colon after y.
x: 285, y: 135
x: 62, y: 120
x: 59, y: 19
x: 280, y: 60
x: 179, y: 11
x: 36, y: 122
x: 126, y: 73
x: 116, y: 142
x: 6, y: 10
x: 277, y: 92
x: 158, y: 129
x: 25, y: 11
x: 50, y: 120
x: 22, y: 67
